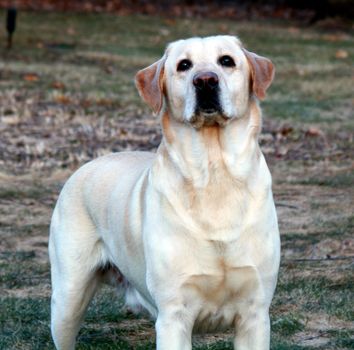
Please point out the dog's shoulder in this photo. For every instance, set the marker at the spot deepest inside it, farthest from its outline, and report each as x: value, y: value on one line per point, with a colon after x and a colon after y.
x: 105, y: 171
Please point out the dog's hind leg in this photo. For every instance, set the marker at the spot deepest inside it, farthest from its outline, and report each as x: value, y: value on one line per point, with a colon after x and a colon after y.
x: 76, y: 256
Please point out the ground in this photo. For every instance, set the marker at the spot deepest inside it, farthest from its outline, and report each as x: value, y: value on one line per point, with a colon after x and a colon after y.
x: 67, y: 96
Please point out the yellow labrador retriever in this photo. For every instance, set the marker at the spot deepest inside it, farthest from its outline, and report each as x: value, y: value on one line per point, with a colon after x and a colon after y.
x: 190, y: 233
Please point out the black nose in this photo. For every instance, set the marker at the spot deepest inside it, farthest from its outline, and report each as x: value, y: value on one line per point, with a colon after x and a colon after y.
x: 205, y: 80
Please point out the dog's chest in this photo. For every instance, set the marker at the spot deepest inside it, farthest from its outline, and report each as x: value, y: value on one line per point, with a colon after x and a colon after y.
x: 218, y: 205
x: 222, y: 289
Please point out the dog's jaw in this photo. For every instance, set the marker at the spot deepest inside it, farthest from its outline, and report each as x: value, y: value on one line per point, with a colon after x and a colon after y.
x: 221, y: 112
x: 201, y: 119
x: 198, y: 117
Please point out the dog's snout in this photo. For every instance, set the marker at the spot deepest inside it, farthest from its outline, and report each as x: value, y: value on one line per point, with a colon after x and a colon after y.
x: 205, y: 80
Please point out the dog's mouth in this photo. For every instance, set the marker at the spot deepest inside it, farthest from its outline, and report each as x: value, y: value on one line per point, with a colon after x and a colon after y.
x: 207, y: 89
x: 208, y: 102
x: 208, y: 110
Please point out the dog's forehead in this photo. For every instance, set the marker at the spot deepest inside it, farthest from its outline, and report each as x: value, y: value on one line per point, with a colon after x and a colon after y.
x: 194, y: 47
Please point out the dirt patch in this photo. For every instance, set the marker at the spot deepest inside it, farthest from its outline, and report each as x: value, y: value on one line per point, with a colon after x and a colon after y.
x: 318, y: 327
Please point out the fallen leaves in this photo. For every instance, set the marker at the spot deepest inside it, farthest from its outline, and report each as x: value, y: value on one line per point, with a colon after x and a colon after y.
x: 44, y: 136
x: 293, y: 142
x: 332, y: 248
x: 69, y: 129
x: 62, y: 99
x: 87, y: 102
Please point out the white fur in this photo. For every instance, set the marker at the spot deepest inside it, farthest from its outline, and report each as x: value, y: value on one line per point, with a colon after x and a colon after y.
x: 192, y: 229
x: 204, y: 54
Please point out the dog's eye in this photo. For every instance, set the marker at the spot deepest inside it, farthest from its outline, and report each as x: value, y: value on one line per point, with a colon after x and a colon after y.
x: 184, y: 65
x: 226, y: 61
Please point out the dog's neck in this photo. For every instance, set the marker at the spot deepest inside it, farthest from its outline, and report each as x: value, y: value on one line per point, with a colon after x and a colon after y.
x: 200, y: 155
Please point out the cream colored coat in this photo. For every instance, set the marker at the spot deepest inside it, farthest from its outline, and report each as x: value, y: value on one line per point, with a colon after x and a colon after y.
x: 190, y: 232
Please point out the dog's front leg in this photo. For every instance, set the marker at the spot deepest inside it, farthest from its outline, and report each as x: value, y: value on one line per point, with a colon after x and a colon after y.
x: 253, y: 332
x: 173, y: 329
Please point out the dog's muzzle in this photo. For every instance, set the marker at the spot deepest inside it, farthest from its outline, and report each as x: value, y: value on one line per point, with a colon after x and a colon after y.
x: 208, y: 110
x: 207, y: 92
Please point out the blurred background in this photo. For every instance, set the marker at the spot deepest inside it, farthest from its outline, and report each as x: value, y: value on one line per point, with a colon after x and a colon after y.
x: 67, y: 95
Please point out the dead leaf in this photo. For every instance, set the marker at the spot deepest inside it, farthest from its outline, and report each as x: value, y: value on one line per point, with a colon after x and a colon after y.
x: 63, y: 99
x: 293, y: 30
x: 223, y: 28
x: 313, y: 132
x: 341, y: 54
x: 169, y: 21
x: 58, y: 85
x: 31, y: 77
x: 285, y: 130
x: 85, y: 103
x: 108, y: 69
x: 104, y: 102
x: 334, y: 37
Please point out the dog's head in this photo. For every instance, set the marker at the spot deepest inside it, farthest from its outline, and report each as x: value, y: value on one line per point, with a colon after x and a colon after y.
x: 205, y: 81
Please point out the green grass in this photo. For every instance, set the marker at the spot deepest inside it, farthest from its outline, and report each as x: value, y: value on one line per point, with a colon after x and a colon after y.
x: 20, y: 269
x: 315, y: 294
x: 24, y: 323
x: 288, y: 325
x: 18, y: 193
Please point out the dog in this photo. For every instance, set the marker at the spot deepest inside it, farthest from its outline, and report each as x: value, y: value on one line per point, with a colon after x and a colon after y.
x: 189, y: 232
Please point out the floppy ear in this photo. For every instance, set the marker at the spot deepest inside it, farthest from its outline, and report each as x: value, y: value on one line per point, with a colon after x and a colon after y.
x: 149, y: 82
x: 262, y: 73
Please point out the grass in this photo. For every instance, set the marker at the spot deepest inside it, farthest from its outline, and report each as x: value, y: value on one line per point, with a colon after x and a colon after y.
x: 340, y: 180
x: 67, y: 95
x: 16, y: 193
